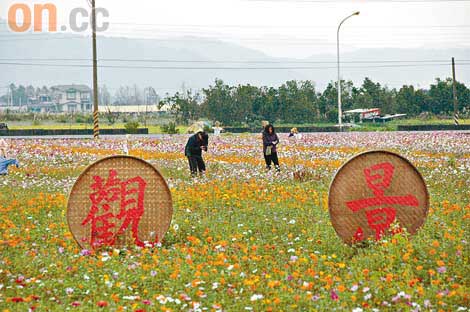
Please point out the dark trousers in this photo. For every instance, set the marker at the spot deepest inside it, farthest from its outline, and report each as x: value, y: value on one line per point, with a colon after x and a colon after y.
x: 196, y: 163
x: 271, y: 159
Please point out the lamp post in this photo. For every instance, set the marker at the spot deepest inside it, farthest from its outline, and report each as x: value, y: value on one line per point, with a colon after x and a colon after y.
x: 340, y: 112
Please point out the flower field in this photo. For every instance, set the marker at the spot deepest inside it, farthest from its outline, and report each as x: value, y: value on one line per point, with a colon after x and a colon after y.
x: 242, y: 239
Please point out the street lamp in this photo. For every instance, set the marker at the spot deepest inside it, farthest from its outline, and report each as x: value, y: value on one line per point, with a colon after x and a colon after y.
x: 340, y: 112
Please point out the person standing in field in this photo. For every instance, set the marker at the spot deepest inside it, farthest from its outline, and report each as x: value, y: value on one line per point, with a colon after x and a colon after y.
x: 264, y: 124
x: 217, y: 129
x: 125, y: 145
x: 270, y: 142
x: 193, y: 151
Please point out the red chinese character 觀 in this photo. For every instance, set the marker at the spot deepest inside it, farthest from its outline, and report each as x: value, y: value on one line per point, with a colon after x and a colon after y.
x: 107, y: 193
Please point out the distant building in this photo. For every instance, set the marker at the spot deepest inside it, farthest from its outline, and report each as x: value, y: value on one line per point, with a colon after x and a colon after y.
x: 62, y: 99
x: 363, y: 114
x: 72, y: 98
x: 41, y: 104
x: 369, y: 114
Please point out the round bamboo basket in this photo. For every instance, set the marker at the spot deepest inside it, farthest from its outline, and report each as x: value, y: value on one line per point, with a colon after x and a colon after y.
x: 374, y: 190
x: 119, y: 201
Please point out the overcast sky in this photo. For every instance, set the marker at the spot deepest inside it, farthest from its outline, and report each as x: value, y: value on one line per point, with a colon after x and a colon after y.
x: 287, y: 28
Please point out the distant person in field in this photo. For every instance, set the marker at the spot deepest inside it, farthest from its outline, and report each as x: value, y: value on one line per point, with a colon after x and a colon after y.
x: 270, y: 142
x: 217, y: 129
x: 294, y: 133
x: 5, y: 162
x: 193, y: 151
x: 125, y: 145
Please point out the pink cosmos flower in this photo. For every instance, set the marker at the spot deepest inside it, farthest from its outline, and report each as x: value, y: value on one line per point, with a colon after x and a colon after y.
x: 334, y: 295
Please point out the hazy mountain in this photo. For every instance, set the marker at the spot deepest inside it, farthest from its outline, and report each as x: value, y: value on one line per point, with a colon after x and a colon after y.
x: 395, y: 67
x: 58, y: 49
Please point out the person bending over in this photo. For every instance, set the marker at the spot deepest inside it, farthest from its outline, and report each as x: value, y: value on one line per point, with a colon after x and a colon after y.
x: 193, y: 151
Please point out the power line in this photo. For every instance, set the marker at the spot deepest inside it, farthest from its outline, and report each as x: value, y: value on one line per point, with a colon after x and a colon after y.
x: 226, y: 68
x: 207, y: 34
x: 216, y: 41
x: 222, y: 61
x: 157, y: 26
x: 214, y: 37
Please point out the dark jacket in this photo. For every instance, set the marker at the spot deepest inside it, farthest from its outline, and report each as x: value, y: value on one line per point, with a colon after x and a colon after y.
x: 270, y: 140
x: 194, y: 146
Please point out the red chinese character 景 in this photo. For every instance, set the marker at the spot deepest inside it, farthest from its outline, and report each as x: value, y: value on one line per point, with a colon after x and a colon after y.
x: 129, y: 195
x: 379, y: 178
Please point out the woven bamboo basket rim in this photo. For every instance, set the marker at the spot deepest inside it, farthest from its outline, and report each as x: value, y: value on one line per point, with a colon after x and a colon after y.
x: 101, y: 160
x: 392, y: 153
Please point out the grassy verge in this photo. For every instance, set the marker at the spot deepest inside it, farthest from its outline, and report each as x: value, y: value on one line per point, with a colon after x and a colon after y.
x: 156, y: 129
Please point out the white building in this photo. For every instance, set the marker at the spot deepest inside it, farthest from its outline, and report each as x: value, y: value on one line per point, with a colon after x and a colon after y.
x: 72, y: 98
x: 62, y: 99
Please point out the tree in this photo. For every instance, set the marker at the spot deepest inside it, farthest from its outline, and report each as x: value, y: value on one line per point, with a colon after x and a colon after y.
x: 30, y: 91
x: 123, y: 96
x: 373, y: 95
x: 241, y: 106
x: 441, y: 100
x: 137, y: 96
x: 328, y: 101
x: 410, y: 101
x: 21, y: 98
x: 218, y: 103
x: 266, y: 105
x: 297, y: 101
x: 185, y: 107
x: 104, y: 96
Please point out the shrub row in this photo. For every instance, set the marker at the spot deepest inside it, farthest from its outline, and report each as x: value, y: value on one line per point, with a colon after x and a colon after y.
x: 432, y: 127
x: 60, y: 132
x: 281, y: 129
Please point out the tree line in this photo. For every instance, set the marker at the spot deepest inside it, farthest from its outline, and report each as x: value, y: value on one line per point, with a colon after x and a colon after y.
x: 300, y: 102
x: 293, y: 102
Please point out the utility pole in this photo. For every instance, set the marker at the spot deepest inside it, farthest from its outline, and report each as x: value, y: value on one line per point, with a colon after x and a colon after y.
x: 456, y: 102
x: 10, y: 89
x: 96, y: 127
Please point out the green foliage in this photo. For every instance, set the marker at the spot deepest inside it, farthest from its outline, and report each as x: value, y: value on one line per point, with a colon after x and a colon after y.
x: 132, y: 127
x: 62, y: 119
x: 185, y: 107
x: 411, y: 101
x: 441, y: 100
x: 298, y: 101
x: 112, y: 117
x: 170, y: 128
x: 87, y: 119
